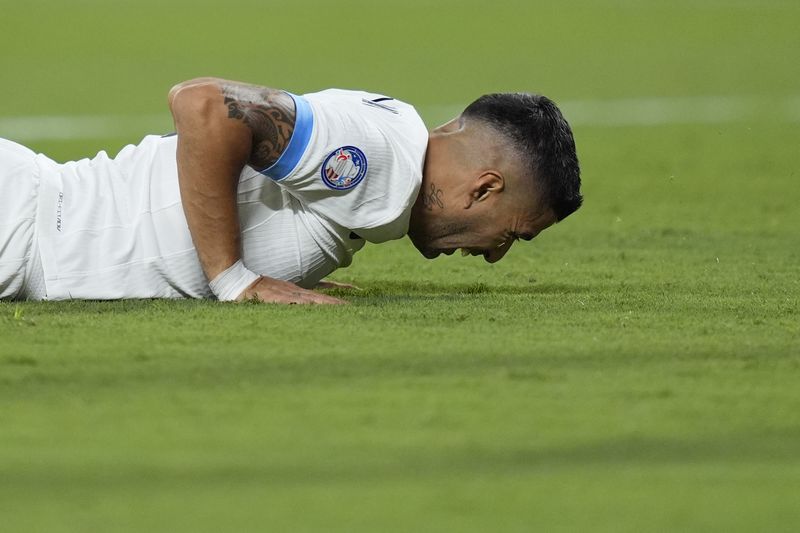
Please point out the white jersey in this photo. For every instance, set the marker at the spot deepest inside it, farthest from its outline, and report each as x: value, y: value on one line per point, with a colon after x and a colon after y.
x: 115, y: 228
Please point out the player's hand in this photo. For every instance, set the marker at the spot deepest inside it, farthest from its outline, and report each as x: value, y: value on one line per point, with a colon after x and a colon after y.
x: 272, y: 290
x: 327, y: 284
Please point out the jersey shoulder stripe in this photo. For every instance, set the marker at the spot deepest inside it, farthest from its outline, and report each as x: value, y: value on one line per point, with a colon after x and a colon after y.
x: 301, y: 136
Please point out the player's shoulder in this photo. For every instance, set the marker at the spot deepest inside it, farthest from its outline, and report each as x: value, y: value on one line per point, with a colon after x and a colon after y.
x: 349, y: 95
x: 364, y: 102
x: 374, y: 114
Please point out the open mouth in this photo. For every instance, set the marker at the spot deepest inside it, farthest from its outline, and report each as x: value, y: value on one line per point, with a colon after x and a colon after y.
x: 433, y: 254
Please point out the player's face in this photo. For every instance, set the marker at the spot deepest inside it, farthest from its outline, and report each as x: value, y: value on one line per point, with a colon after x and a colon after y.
x: 467, y: 203
x: 470, y: 199
x: 487, y: 230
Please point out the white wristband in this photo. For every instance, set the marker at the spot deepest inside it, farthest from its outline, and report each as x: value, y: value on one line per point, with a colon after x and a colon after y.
x: 231, y: 282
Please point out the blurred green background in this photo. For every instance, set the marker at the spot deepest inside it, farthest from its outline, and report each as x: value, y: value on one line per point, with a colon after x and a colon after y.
x: 637, y: 368
x: 120, y: 57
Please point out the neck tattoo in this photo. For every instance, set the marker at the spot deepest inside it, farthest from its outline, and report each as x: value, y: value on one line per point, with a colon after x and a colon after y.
x: 433, y: 197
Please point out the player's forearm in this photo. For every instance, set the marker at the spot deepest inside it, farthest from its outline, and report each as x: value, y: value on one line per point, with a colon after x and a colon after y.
x: 212, y: 150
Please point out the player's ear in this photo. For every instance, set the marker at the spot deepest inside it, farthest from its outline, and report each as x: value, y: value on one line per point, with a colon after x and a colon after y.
x: 486, y: 184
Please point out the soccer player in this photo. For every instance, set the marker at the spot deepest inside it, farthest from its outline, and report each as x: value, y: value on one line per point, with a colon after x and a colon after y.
x: 261, y: 193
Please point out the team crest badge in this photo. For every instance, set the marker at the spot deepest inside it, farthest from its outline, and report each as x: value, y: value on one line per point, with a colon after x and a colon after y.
x: 344, y: 168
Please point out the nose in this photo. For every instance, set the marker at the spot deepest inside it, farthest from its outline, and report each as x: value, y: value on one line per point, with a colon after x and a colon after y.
x: 493, y: 256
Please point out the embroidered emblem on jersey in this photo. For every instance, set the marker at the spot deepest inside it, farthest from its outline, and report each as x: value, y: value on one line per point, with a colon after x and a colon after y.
x: 344, y: 168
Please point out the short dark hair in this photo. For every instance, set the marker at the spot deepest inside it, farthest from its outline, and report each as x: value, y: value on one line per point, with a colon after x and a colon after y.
x: 536, y: 127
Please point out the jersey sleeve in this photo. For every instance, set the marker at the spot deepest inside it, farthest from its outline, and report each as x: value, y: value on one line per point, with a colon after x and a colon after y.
x: 356, y: 159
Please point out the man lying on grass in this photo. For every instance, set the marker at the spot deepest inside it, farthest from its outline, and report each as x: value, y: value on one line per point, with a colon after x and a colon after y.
x: 262, y: 193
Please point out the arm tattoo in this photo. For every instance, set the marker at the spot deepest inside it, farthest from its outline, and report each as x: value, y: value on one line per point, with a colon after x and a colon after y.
x: 433, y: 197
x: 269, y: 114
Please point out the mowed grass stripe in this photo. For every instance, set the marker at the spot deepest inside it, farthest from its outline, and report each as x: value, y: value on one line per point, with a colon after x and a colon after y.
x: 596, y: 113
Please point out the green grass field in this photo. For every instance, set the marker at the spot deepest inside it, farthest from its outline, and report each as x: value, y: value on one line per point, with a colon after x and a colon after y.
x: 636, y: 368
